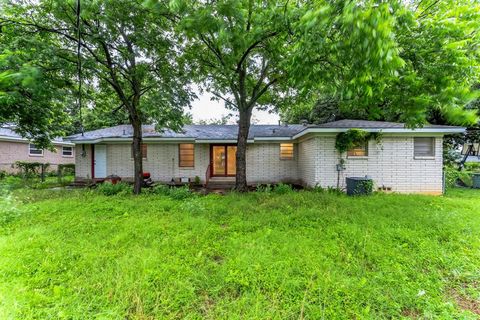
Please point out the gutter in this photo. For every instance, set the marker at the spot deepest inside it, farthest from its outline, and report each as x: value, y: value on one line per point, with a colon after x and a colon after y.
x: 15, y: 139
x: 384, y: 130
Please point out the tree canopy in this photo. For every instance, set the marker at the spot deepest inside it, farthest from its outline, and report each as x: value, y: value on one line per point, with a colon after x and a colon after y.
x: 127, y: 51
x: 434, y: 46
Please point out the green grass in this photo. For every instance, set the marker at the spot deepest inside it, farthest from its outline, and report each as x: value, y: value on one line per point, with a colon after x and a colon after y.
x: 312, y: 255
x: 17, y: 182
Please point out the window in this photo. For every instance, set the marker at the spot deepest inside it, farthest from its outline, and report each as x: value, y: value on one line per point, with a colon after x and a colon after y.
x: 423, y: 147
x: 67, y: 151
x: 143, y: 149
x: 34, y: 150
x: 186, y: 155
x: 286, y: 151
x: 360, y: 150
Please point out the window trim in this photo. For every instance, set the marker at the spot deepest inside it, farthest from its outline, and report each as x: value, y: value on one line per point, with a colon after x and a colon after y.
x: 67, y: 155
x: 293, y: 151
x: 34, y: 154
x: 434, y: 149
x: 180, y: 155
x: 366, y: 146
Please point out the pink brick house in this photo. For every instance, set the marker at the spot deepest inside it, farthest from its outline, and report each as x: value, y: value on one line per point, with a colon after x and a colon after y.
x: 406, y: 161
x: 15, y: 148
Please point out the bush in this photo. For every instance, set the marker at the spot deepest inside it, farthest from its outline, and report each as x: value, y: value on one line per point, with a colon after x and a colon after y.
x: 110, y: 189
x: 173, y: 192
x: 3, y: 174
x: 282, y: 188
x: 161, y: 189
x: 31, y: 169
x: 267, y: 188
x: 180, y: 193
x: 196, y: 181
x: 472, y: 166
x: 8, y: 209
x: 453, y: 176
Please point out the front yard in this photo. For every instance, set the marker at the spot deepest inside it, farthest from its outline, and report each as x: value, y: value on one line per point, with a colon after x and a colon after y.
x: 315, y: 255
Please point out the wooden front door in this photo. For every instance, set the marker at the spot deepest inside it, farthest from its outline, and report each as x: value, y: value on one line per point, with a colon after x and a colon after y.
x: 223, y: 160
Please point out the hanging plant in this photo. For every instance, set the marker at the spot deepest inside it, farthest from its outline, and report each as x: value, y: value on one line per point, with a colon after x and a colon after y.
x: 354, y: 137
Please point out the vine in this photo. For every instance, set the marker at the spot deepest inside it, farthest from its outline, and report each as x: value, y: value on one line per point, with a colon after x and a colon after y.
x: 354, y: 137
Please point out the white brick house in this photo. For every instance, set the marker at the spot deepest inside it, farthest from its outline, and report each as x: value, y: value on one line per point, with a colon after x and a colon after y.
x: 406, y: 160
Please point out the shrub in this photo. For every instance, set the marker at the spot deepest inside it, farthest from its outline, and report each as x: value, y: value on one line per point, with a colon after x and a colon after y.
x: 180, y: 193
x: 267, y: 188
x: 8, y: 209
x: 472, y: 166
x: 110, y: 189
x: 3, y: 174
x: 282, y: 188
x: 66, y: 169
x: 196, y: 181
x: 31, y: 169
x: 161, y: 189
x: 453, y: 176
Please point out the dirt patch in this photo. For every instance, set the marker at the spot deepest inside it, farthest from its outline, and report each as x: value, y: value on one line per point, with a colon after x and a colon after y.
x: 411, y: 313
x: 465, y: 302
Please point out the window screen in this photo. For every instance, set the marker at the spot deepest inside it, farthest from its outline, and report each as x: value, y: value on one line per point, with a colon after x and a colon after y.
x: 424, y: 147
x: 286, y: 151
x: 186, y: 155
x: 67, y: 151
x: 35, y: 150
x: 360, y: 150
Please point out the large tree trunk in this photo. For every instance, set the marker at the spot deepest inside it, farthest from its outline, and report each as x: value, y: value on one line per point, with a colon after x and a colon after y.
x: 243, y: 129
x: 137, y: 154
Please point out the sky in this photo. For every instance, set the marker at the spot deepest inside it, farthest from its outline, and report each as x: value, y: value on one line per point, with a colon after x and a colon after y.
x: 205, y: 109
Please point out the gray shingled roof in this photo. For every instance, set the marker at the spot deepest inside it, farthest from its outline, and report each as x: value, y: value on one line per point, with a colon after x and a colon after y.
x: 229, y: 132
x: 202, y: 132
x: 6, y: 132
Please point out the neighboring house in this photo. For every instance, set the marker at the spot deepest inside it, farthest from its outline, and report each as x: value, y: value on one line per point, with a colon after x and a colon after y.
x: 15, y: 148
x: 406, y: 160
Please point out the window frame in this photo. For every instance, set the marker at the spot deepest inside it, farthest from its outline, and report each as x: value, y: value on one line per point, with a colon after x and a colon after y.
x: 433, y: 149
x: 41, y: 154
x: 283, y: 157
x: 365, y: 147
x: 67, y: 155
x: 180, y: 160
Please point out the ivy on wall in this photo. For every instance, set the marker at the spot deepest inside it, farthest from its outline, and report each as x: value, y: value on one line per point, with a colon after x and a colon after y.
x: 353, y: 137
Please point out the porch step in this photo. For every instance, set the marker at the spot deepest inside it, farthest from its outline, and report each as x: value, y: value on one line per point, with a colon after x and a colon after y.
x: 81, y: 183
x: 221, y: 183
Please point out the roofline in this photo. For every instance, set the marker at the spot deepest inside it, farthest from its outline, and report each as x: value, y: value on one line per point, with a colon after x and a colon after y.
x: 382, y: 130
x: 284, y: 138
x: 16, y: 139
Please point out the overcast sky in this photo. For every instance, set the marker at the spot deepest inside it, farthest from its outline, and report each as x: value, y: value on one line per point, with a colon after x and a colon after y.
x: 204, y: 109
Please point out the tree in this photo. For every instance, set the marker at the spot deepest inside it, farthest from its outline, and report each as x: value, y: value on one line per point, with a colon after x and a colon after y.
x: 435, y: 49
x: 257, y: 54
x: 123, y: 47
x: 34, y: 86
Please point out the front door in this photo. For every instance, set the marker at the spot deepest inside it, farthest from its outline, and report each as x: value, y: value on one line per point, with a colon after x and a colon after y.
x: 223, y: 160
x: 100, y: 161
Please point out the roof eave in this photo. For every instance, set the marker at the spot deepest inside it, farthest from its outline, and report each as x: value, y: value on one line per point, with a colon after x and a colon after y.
x: 383, y: 130
x: 17, y: 139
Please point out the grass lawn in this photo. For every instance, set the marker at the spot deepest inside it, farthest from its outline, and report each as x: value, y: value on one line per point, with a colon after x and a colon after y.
x: 312, y: 255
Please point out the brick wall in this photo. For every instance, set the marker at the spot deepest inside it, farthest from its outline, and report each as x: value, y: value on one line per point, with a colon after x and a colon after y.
x: 83, y: 164
x: 19, y: 151
x: 390, y: 164
x: 265, y: 166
